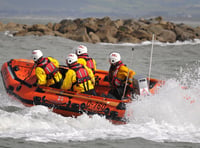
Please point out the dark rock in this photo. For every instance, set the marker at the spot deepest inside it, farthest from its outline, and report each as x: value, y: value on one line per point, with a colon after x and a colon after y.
x: 95, y: 38
x: 167, y: 36
x: 143, y: 35
x: 96, y: 30
x: 56, y: 26
x: 184, y: 32
x: 79, y: 35
x: 67, y: 26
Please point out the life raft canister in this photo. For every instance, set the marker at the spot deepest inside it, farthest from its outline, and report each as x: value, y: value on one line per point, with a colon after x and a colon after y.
x: 49, y: 68
x: 89, y: 61
x: 115, y: 81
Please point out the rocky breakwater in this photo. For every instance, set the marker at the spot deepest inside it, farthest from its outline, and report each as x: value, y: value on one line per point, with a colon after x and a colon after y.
x: 94, y: 30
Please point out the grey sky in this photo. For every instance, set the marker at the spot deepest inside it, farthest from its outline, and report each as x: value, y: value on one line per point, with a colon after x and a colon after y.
x: 99, y: 8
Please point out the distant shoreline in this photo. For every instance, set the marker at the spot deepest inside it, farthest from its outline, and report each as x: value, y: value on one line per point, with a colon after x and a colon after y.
x: 106, y: 30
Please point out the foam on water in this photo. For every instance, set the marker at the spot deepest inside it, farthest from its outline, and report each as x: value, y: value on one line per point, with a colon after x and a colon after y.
x: 38, y: 123
x: 170, y: 115
x: 177, y: 43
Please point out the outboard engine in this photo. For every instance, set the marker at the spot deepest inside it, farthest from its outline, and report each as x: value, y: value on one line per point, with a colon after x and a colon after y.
x: 140, y: 83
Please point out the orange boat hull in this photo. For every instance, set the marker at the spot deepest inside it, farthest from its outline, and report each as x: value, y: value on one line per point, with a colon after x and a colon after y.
x: 18, y: 77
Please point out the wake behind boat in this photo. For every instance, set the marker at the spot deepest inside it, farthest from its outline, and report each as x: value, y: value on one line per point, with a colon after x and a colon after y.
x: 19, y: 76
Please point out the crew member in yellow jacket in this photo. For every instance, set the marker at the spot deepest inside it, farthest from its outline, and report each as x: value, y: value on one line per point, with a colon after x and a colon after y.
x: 78, y: 78
x: 84, y: 59
x: 47, y: 70
x: 120, y: 76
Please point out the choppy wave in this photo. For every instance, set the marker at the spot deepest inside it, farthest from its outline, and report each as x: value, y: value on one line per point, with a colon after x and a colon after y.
x: 8, y: 33
x: 171, y: 115
x: 177, y: 43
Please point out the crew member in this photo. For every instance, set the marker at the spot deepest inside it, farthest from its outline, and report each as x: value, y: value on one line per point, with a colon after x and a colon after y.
x: 120, y: 76
x: 84, y: 59
x: 47, y: 71
x: 78, y: 78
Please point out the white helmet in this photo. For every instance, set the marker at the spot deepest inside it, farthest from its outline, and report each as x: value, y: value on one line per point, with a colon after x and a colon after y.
x: 81, y: 49
x: 114, y: 57
x: 71, y: 58
x: 36, y: 54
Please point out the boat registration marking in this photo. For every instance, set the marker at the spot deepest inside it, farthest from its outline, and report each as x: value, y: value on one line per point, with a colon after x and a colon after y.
x: 95, y: 106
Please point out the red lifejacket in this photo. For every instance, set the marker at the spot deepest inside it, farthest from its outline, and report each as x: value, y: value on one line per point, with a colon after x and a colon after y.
x: 81, y: 73
x: 89, y: 61
x: 49, y: 68
x: 115, y: 81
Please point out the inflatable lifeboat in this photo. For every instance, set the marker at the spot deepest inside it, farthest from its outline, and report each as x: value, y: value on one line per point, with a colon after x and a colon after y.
x: 18, y: 76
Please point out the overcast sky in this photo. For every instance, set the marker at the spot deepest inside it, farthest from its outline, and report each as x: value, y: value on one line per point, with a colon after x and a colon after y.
x: 87, y: 8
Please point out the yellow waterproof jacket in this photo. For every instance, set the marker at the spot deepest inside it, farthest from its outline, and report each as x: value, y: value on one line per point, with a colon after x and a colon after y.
x: 84, y: 62
x: 70, y: 79
x: 124, y: 71
x: 42, y: 77
x: 121, y: 73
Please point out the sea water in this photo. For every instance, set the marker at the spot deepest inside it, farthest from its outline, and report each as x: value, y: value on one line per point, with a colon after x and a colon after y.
x: 170, y: 118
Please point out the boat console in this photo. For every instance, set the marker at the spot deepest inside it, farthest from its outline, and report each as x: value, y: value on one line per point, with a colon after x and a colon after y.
x: 140, y: 83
